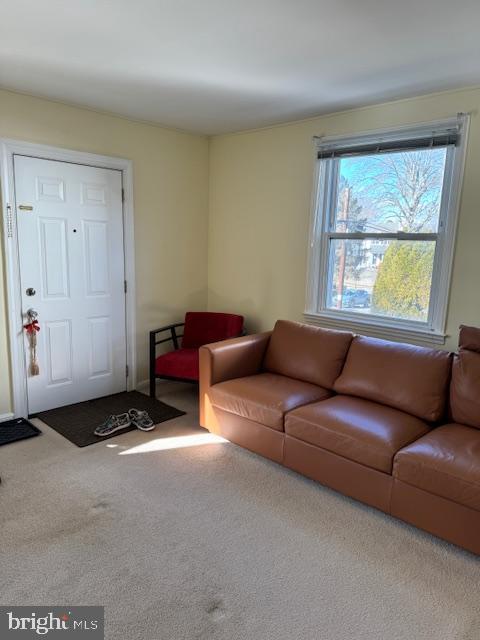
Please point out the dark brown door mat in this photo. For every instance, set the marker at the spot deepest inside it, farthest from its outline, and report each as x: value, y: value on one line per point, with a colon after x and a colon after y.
x: 17, y: 429
x: 77, y: 422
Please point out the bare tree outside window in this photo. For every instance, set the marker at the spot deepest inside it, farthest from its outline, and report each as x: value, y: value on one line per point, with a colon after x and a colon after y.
x: 396, y: 192
x: 407, y: 188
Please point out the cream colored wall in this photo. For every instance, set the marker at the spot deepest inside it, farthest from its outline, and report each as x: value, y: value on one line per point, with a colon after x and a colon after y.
x: 260, y: 190
x: 171, y: 206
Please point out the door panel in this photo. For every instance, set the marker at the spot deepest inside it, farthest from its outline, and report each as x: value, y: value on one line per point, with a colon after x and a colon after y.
x: 96, y: 258
x: 50, y: 189
x: 53, y: 257
x: 58, y: 352
x: 100, y: 347
x: 94, y: 194
x: 70, y: 231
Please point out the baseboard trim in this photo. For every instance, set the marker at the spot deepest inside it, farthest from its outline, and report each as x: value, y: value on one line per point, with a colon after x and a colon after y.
x: 6, y: 416
x: 142, y: 384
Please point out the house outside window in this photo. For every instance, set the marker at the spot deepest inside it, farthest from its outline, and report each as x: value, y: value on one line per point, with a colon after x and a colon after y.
x: 383, y: 229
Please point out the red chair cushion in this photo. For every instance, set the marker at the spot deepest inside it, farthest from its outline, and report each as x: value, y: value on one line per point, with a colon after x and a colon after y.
x: 203, y: 327
x: 182, y: 363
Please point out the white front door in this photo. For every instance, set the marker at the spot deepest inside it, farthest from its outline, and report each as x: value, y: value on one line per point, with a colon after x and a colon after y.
x: 70, y: 235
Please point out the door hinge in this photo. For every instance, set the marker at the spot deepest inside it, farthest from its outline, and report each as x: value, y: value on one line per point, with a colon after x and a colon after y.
x: 125, y: 286
x: 126, y: 370
x: 123, y: 194
x: 9, y: 221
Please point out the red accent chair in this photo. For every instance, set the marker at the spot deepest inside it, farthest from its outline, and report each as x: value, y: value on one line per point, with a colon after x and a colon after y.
x: 199, y: 328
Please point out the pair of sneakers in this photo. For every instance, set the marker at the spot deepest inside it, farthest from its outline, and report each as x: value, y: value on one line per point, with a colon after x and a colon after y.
x: 133, y: 417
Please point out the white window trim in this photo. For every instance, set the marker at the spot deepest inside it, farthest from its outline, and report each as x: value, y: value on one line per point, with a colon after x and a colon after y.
x: 433, y: 331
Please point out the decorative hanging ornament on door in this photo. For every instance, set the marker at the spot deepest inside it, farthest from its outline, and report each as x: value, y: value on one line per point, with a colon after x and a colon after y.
x: 32, y: 329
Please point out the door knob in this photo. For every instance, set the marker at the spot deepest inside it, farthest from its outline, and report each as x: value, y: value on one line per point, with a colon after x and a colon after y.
x: 32, y: 314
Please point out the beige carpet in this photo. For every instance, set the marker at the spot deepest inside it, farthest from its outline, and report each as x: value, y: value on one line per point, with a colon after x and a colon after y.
x: 208, y: 541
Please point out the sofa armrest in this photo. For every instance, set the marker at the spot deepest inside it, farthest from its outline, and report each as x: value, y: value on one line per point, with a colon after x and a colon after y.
x: 225, y: 360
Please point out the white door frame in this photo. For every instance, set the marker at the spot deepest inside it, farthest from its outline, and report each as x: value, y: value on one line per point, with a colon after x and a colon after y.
x: 9, y: 148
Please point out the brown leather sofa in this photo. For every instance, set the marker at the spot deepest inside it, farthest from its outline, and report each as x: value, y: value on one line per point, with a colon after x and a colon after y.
x: 394, y: 425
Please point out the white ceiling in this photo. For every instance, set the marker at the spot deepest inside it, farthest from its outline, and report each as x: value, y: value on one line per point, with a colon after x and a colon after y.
x: 214, y: 66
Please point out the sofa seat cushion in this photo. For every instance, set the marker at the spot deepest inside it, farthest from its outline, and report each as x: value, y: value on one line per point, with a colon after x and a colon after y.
x: 182, y: 363
x: 445, y: 462
x: 356, y: 429
x: 265, y: 397
x: 403, y: 376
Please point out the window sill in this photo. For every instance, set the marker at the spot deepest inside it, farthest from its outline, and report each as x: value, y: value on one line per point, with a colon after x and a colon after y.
x: 376, y: 329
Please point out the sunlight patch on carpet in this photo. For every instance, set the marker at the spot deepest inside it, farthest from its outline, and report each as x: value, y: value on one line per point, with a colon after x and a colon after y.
x: 179, y: 442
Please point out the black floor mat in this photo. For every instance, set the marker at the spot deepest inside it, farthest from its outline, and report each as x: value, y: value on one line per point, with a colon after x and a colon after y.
x: 17, y: 429
x: 77, y: 422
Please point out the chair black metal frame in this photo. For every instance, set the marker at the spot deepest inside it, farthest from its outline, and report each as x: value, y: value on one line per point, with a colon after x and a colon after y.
x: 174, y: 337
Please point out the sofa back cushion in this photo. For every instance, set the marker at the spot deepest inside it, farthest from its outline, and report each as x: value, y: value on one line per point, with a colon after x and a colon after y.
x: 403, y: 376
x: 469, y: 338
x: 465, y: 385
x: 307, y: 353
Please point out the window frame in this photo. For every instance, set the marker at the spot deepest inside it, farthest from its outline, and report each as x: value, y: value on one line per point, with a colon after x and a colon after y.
x: 322, y: 232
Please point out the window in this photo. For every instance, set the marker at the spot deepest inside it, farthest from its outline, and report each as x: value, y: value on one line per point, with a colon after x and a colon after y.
x: 383, y: 229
